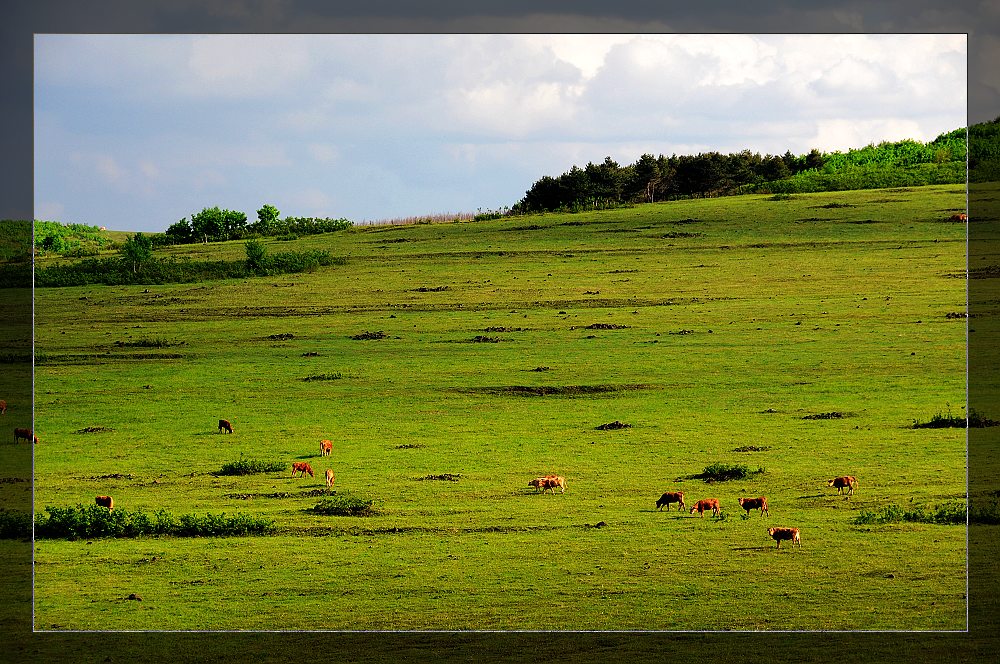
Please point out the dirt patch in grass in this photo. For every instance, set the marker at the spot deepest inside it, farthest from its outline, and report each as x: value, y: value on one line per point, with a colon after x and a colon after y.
x: 429, y: 289
x: 552, y: 390
x: 483, y: 339
x: 865, y: 221
x: 94, y: 430
x: 541, y: 369
x: 443, y: 477
x: 751, y: 448
x: 678, y: 234
x: 284, y: 336
x: 409, y: 446
x: 501, y: 328
x: 532, y: 227
x: 613, y: 426
x: 833, y: 415
x: 604, y: 326
x: 367, y: 336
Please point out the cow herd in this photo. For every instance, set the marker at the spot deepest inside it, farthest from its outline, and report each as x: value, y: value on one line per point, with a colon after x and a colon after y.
x: 550, y: 483
x: 848, y: 482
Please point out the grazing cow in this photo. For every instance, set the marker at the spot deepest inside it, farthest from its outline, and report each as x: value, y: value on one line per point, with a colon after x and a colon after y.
x: 538, y: 483
x: 329, y: 478
x: 553, y: 481
x: 706, y: 504
x: 224, y: 425
x: 26, y: 434
x: 325, y: 447
x: 3, y: 407
x: 755, y: 504
x: 961, y: 216
x: 671, y: 497
x: 302, y: 467
x: 778, y: 534
x: 846, y: 482
x: 105, y: 501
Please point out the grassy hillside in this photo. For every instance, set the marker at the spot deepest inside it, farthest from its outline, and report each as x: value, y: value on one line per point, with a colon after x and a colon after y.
x: 800, y: 336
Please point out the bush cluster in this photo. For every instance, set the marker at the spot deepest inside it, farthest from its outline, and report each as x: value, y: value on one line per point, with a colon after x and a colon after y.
x: 948, y: 513
x: 252, y: 467
x: 116, y: 272
x: 345, y: 504
x: 15, y: 525
x: 721, y: 472
x: 95, y: 521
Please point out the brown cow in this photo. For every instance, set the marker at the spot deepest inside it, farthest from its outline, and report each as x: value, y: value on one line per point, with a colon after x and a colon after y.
x: 707, y: 504
x: 671, y: 497
x: 325, y: 447
x: 302, y: 467
x: 224, y: 425
x: 105, y: 501
x: 329, y: 478
x: 3, y: 407
x: 26, y: 434
x: 961, y: 216
x: 755, y: 504
x: 553, y: 481
x: 846, y: 482
x: 778, y: 534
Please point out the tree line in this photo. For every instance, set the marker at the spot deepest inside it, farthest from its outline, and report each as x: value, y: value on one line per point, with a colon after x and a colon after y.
x: 216, y: 225
x: 651, y: 179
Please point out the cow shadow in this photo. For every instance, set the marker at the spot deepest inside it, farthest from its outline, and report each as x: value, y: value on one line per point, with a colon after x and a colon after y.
x: 752, y: 548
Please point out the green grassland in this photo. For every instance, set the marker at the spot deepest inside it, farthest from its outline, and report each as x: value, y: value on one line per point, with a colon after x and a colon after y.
x: 722, y: 324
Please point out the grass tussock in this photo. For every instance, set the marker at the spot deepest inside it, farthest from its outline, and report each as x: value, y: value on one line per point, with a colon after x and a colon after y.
x: 939, y: 421
x: 552, y: 390
x: 251, y: 467
x: 95, y: 521
x: 333, y: 376
x: 724, y: 472
x: 948, y: 513
x: 345, y: 504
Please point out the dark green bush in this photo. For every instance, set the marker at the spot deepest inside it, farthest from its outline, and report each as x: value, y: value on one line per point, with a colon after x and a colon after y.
x: 948, y: 513
x: 345, y: 504
x: 252, y: 467
x: 94, y: 521
x: 722, y: 472
x: 15, y: 525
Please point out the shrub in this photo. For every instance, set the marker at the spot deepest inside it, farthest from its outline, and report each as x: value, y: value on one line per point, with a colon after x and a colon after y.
x: 94, y: 521
x: 345, y: 504
x: 15, y: 525
x: 948, y: 513
x: 721, y: 472
x: 251, y: 467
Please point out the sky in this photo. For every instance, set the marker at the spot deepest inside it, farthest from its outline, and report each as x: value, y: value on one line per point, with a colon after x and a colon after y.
x: 135, y: 132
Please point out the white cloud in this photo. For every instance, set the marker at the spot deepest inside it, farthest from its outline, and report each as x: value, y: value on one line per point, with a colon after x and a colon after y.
x: 214, y: 119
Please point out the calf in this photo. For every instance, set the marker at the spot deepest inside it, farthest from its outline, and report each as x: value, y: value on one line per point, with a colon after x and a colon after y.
x: 846, y: 482
x: 671, y: 497
x: 778, y: 534
x: 707, y: 504
x: 302, y: 467
x: 755, y: 504
x: 224, y: 425
x: 961, y: 216
x: 26, y: 434
x: 329, y: 478
x: 105, y: 501
x: 3, y: 407
x: 325, y: 447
